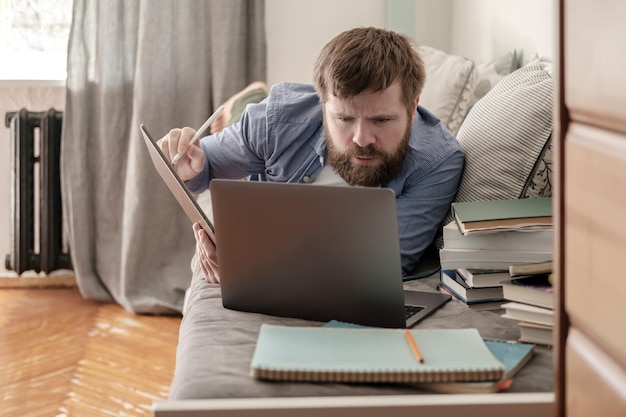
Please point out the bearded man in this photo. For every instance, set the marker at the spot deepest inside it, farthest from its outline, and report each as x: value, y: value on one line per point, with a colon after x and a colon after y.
x: 359, y: 124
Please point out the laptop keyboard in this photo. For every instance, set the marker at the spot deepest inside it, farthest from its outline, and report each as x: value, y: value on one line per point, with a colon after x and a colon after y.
x: 411, y: 310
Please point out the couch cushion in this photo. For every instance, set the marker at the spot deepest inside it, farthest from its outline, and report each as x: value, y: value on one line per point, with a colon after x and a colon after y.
x: 215, y: 346
x: 506, y: 139
x: 490, y: 73
x: 254, y: 92
x: 450, y: 80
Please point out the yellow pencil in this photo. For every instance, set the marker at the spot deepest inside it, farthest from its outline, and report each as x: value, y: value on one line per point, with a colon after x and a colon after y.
x: 414, y: 347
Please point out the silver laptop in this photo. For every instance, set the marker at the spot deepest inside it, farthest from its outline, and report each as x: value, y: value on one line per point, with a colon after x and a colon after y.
x: 308, y: 251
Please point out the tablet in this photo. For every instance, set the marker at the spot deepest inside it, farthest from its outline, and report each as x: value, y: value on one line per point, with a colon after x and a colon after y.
x: 176, y: 185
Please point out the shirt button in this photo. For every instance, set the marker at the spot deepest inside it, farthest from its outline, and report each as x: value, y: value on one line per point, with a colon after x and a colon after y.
x: 306, y: 178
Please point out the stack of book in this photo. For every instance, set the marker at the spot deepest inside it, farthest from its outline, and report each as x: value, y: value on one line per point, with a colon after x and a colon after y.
x: 485, y: 239
x: 531, y: 302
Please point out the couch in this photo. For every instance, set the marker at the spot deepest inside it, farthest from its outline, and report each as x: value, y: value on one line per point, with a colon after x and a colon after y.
x: 501, y: 113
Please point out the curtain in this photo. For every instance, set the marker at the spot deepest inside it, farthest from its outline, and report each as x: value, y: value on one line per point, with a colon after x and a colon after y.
x: 164, y: 63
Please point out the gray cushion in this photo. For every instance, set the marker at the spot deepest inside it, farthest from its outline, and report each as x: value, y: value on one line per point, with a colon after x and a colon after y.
x: 215, y: 347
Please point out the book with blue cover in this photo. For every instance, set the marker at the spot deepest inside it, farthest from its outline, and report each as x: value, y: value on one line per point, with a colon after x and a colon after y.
x: 465, y: 292
x: 478, y: 278
x: 513, y: 355
x: 372, y: 355
x: 479, y: 305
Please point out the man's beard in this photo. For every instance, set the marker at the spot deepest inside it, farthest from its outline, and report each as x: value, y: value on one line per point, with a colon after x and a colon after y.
x: 387, y: 169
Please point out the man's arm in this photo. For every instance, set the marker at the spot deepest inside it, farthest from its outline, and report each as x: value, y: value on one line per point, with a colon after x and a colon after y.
x: 236, y: 151
x: 423, y: 205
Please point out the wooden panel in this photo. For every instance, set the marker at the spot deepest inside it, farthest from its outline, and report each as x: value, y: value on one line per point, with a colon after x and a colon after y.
x: 595, y: 235
x: 596, y: 385
x: 595, y: 91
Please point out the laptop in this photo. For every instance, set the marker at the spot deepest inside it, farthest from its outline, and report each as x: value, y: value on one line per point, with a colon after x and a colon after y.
x: 314, y: 252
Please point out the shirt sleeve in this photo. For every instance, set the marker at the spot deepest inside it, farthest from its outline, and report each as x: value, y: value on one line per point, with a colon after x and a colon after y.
x: 275, y: 138
x: 236, y: 151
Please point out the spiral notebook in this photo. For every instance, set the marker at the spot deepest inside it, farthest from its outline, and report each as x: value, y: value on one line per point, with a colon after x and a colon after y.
x: 372, y: 355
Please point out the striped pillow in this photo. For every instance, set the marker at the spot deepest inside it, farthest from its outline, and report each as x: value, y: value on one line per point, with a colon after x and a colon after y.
x: 506, y: 139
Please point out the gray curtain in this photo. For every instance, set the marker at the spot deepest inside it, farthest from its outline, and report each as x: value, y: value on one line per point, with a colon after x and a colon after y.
x: 164, y: 63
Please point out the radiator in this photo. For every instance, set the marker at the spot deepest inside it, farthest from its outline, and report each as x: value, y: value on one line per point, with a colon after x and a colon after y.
x: 35, y: 153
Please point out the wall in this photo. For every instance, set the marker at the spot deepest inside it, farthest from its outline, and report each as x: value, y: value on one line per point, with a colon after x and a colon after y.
x: 477, y: 29
x: 297, y: 30
x: 483, y: 29
x: 500, y: 25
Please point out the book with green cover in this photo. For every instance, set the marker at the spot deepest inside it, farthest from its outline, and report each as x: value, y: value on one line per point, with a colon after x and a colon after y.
x: 372, y: 355
x: 494, y: 215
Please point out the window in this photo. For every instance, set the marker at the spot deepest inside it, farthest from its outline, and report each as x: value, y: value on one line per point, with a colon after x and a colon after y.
x: 33, y: 39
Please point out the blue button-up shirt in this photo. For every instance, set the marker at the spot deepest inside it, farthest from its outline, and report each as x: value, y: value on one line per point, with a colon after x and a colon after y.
x: 282, y: 139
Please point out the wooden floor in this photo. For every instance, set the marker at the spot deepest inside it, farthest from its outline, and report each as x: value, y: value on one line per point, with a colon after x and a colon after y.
x: 63, y: 356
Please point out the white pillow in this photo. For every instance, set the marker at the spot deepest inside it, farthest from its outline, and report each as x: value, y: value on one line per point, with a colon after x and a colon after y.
x: 450, y: 81
x: 492, y: 72
x: 506, y: 138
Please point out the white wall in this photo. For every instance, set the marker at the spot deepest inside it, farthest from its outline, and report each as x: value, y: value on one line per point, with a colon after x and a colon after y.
x: 433, y: 23
x: 477, y: 29
x: 297, y: 30
x: 484, y: 29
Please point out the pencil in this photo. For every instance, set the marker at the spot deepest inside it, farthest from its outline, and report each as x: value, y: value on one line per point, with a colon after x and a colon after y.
x: 199, y: 132
x: 414, y: 347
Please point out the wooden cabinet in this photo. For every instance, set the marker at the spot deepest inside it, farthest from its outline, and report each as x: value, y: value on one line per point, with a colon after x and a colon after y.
x: 590, y: 175
x: 596, y: 381
x: 594, y: 56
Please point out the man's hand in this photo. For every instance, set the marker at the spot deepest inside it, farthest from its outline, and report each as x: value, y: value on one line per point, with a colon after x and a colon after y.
x: 177, y: 140
x: 207, y: 255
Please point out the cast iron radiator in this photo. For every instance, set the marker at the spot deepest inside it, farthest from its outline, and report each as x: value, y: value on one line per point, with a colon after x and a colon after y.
x: 26, y: 164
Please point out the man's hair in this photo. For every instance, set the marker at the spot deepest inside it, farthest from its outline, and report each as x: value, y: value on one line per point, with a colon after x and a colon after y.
x: 369, y: 59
